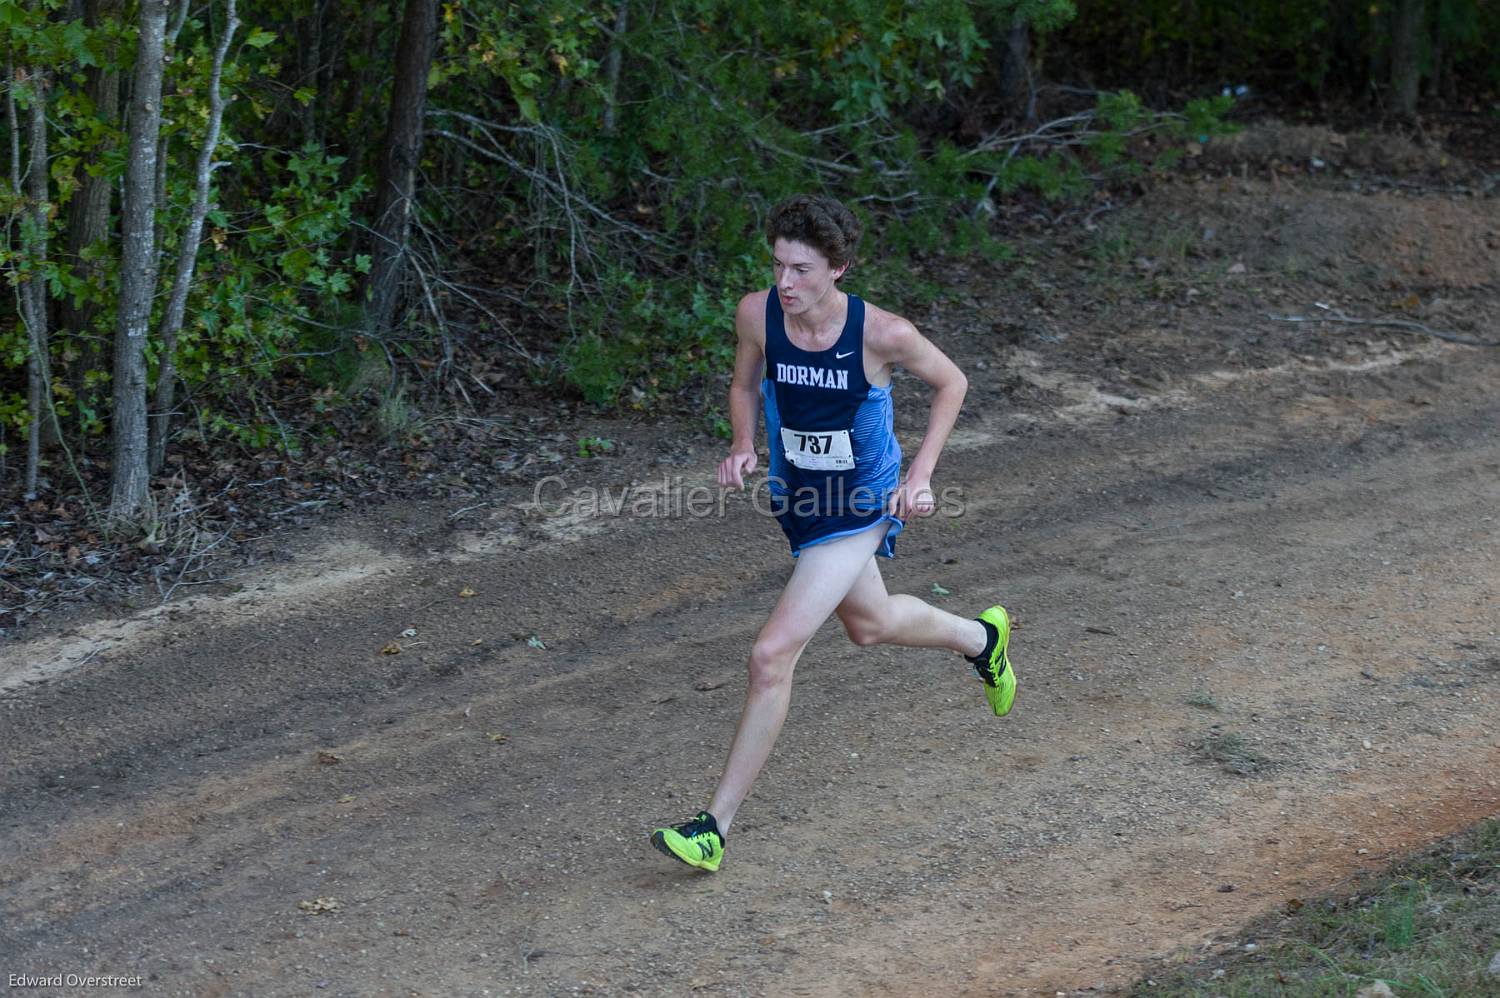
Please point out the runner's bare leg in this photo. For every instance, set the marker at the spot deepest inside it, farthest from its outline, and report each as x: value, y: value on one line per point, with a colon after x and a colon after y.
x: 823, y: 575
x: 872, y: 616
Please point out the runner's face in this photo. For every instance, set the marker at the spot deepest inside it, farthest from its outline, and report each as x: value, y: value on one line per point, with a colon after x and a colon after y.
x: 803, y: 276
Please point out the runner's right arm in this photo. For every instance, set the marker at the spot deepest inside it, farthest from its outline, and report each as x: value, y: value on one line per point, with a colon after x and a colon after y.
x: 744, y: 390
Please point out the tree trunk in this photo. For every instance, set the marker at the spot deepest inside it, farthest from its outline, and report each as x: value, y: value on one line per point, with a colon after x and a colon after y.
x: 30, y: 280
x: 187, y: 256
x: 163, y: 152
x: 89, y: 212
x: 39, y: 361
x: 1016, y: 91
x: 357, y: 84
x: 310, y: 56
x: 129, y: 474
x: 1438, y: 37
x: 1408, y: 36
x: 398, y: 165
x: 22, y: 285
x: 612, y: 66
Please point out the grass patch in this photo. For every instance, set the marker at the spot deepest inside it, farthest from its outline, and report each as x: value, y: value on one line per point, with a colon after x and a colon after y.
x: 594, y: 446
x: 1203, y: 699
x: 394, y: 414
x: 1230, y: 752
x: 1428, y: 926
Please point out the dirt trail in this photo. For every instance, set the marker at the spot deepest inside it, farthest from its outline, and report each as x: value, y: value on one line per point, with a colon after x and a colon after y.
x: 1293, y: 563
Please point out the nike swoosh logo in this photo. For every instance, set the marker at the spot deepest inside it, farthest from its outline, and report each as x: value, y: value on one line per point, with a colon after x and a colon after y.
x: 841, y: 356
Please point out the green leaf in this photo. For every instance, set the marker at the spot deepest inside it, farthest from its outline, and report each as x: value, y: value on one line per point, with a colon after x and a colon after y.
x: 260, y: 38
x: 74, y: 41
x: 529, y: 109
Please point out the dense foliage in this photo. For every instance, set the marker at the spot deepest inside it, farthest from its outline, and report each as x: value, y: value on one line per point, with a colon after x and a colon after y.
x: 593, y: 176
x: 1294, y: 49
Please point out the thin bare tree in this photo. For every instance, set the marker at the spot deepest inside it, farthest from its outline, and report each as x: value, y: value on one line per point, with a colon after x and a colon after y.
x: 163, y: 156
x: 129, y: 470
x: 310, y: 54
x: 31, y: 284
x: 612, y: 65
x: 398, y: 165
x: 39, y: 379
x: 187, y: 255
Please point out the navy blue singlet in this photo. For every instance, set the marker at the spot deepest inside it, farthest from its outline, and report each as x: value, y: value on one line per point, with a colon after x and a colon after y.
x: 834, y: 457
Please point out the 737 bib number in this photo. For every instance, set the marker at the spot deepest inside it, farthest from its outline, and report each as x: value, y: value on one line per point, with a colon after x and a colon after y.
x: 826, y: 450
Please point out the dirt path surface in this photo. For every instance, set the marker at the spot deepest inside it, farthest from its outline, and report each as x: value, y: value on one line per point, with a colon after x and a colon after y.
x: 1255, y: 568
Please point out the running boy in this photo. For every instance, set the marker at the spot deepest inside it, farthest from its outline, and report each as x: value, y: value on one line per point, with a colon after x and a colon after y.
x: 818, y: 362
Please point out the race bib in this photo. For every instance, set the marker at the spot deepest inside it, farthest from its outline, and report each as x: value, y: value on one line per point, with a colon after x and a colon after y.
x: 825, y: 450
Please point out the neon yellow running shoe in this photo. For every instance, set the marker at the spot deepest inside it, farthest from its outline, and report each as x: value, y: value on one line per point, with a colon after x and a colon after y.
x: 993, y: 665
x: 696, y: 842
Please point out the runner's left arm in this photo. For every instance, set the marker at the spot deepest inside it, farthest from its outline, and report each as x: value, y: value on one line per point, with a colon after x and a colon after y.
x: 902, y: 344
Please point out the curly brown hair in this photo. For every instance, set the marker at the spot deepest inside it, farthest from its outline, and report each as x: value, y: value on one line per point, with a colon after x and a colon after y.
x: 817, y: 221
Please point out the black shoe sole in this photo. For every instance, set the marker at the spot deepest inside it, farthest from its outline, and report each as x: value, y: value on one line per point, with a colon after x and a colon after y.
x: 659, y: 841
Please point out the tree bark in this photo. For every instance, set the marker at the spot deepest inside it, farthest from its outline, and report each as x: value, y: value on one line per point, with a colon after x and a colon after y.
x: 355, y: 83
x: 187, y: 256
x: 31, y: 283
x: 310, y: 56
x: 89, y: 212
x: 163, y: 152
x: 398, y: 165
x: 22, y: 285
x: 129, y: 473
x: 612, y: 65
x: 1438, y: 36
x: 1016, y: 92
x: 39, y: 363
x: 1406, y: 55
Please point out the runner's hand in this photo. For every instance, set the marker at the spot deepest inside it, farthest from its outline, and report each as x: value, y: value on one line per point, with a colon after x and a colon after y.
x: 913, y: 497
x: 734, y: 468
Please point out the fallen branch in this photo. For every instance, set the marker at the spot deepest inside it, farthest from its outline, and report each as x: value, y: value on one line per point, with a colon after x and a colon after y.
x: 1354, y: 320
x: 1046, y: 132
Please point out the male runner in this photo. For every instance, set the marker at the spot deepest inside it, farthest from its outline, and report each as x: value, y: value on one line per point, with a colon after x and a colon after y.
x: 818, y: 362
